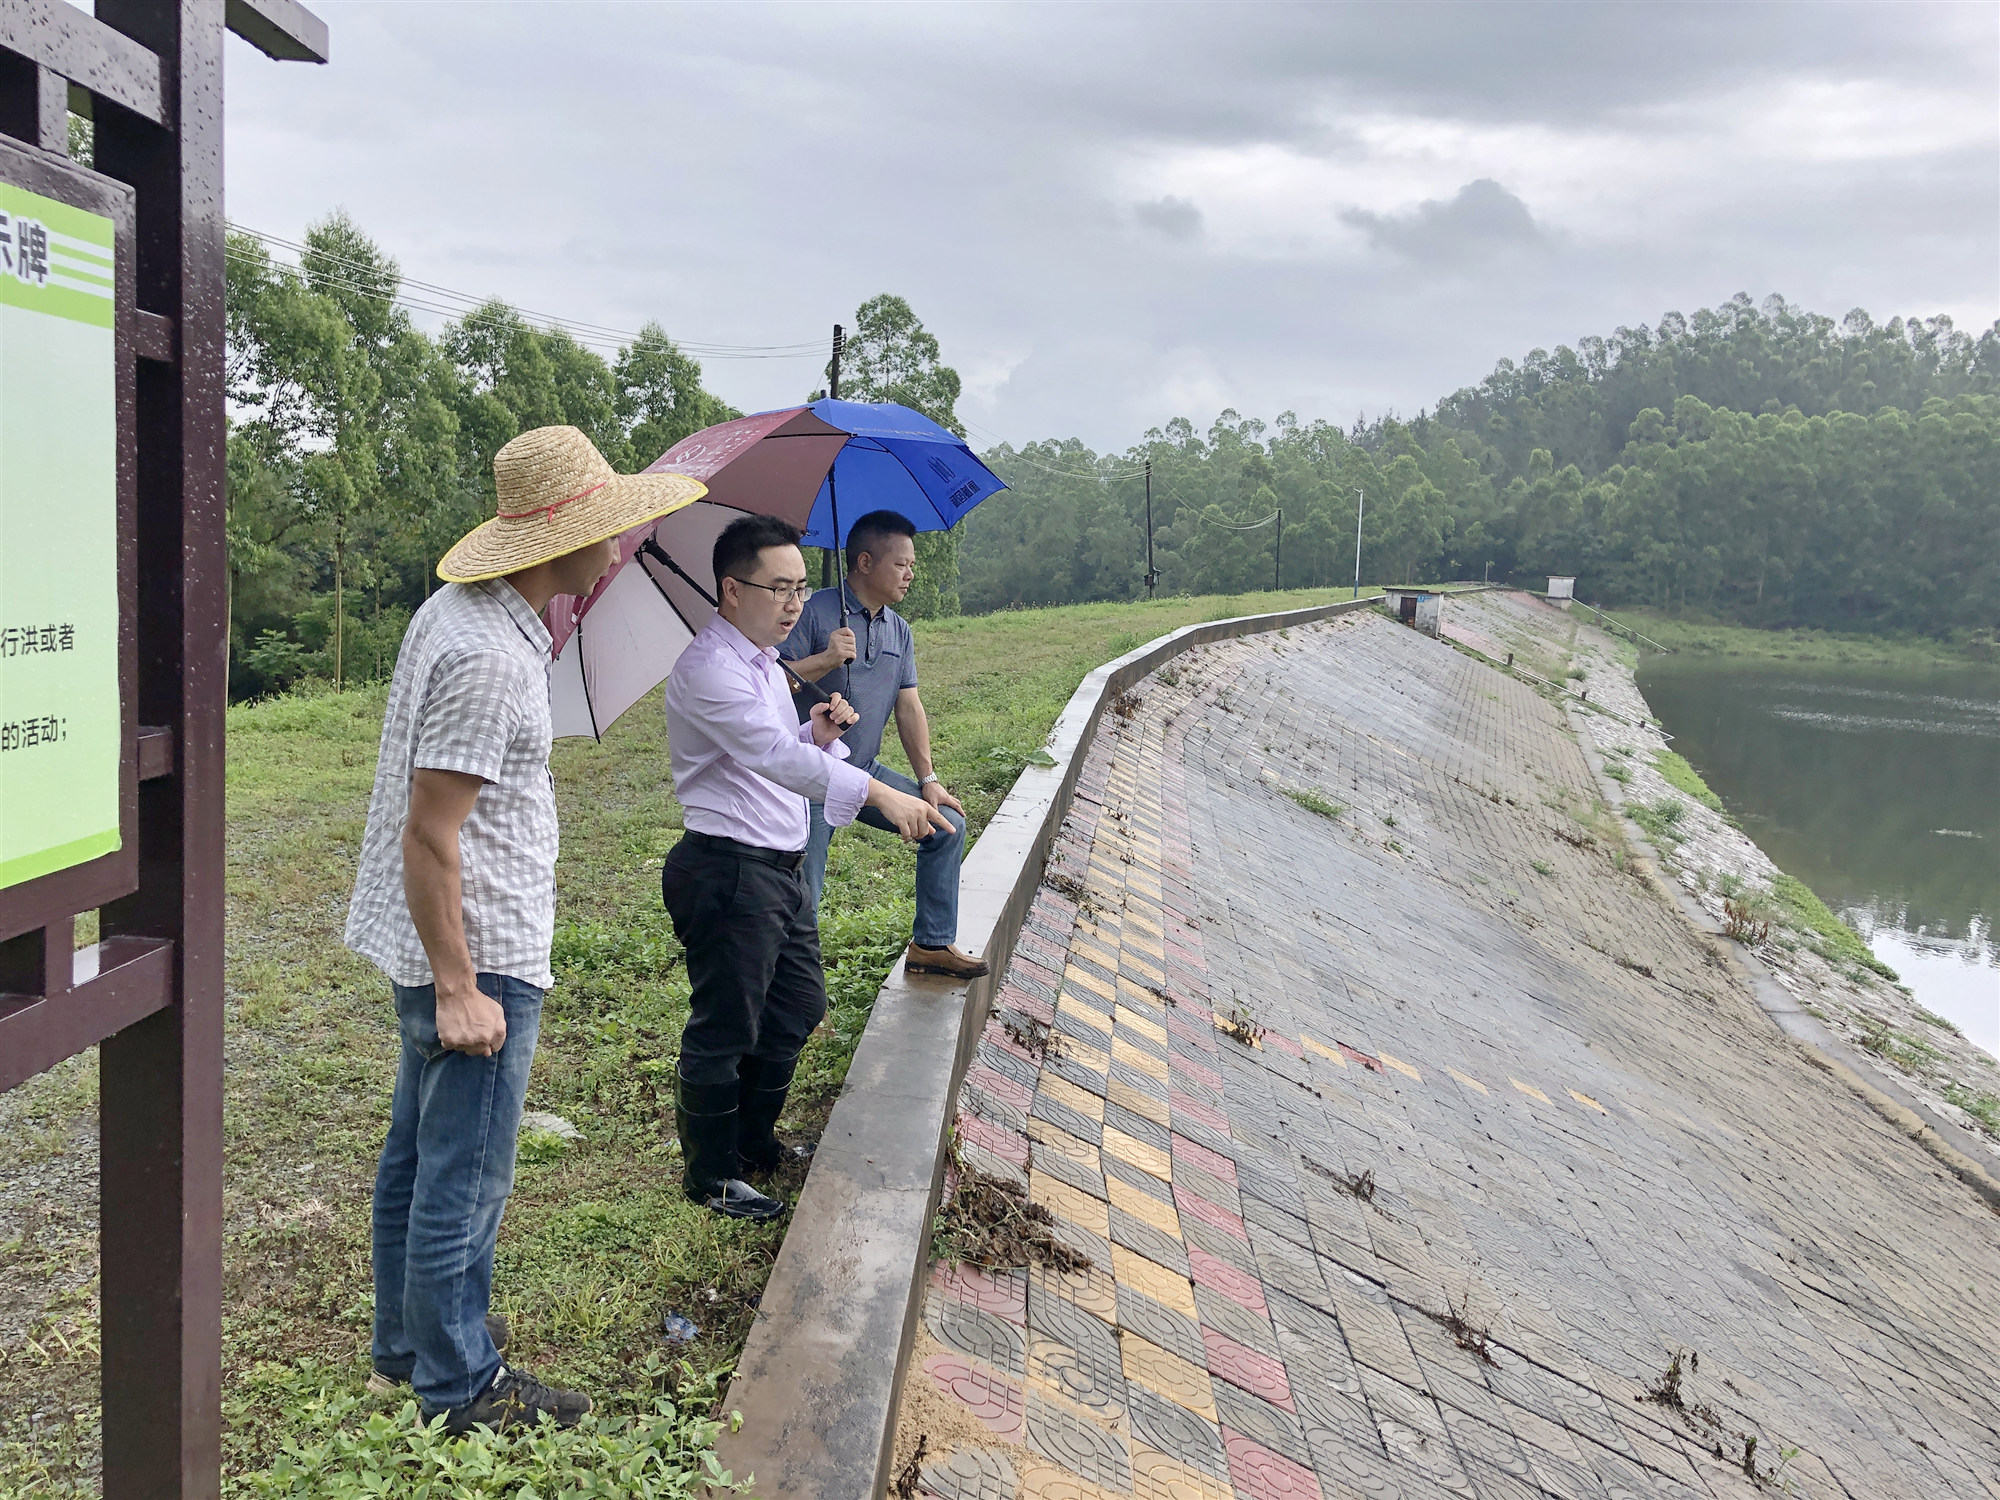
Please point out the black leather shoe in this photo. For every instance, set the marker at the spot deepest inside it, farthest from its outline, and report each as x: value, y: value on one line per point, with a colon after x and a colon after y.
x: 382, y: 1384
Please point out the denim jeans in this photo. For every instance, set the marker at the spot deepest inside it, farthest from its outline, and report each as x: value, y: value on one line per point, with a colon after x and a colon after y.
x: 445, y: 1174
x: 938, y: 855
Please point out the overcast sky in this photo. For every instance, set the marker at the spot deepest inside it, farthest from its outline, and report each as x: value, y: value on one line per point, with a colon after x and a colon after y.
x: 1115, y: 215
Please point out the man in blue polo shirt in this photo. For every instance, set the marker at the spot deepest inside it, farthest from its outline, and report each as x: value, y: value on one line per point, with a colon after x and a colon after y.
x: 853, y: 642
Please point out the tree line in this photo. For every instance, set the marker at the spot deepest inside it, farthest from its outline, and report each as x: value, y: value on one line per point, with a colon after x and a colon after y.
x: 361, y: 446
x: 1759, y: 462
x: 1756, y: 461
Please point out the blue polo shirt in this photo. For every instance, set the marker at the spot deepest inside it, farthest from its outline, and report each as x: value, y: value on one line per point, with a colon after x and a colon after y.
x: 885, y: 662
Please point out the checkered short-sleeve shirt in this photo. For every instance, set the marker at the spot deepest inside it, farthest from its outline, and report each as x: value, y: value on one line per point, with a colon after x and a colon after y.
x: 471, y: 694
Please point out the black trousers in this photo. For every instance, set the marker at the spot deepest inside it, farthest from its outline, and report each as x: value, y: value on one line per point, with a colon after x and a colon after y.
x: 752, y: 941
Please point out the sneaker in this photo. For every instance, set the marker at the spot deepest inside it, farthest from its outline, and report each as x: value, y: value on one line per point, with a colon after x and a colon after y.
x: 381, y: 1384
x: 736, y: 1199
x: 515, y: 1396
x: 946, y: 960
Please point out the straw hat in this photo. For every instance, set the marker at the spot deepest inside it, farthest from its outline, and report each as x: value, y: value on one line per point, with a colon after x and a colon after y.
x: 556, y: 494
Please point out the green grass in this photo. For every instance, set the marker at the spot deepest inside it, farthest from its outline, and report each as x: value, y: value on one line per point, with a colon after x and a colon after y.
x: 1709, y: 637
x: 1838, y: 942
x: 1683, y: 777
x: 1313, y: 802
x: 1660, y: 819
x: 598, y: 1242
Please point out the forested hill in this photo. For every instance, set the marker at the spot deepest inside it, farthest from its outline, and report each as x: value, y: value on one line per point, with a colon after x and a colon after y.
x: 1761, y: 462
x: 1579, y: 404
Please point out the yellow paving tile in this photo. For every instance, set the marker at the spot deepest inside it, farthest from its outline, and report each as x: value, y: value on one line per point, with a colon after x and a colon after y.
x: 1471, y: 1083
x: 1146, y: 1028
x: 1529, y: 1089
x: 1143, y: 928
x: 1158, y: 1477
x: 1586, y: 1099
x: 1130, y: 989
x: 1103, y: 954
x: 1401, y: 1067
x: 1148, y: 968
x: 1065, y: 1202
x: 1064, y: 1144
x: 1083, y: 1101
x: 1097, y: 1059
x: 1167, y: 1375
x: 1126, y: 1097
x: 1090, y: 1015
x: 1331, y: 1054
x: 1093, y: 1289
x: 1166, y: 1287
x: 1143, y: 1206
x: 1138, y: 1154
x: 1088, y: 981
x: 1144, y: 1062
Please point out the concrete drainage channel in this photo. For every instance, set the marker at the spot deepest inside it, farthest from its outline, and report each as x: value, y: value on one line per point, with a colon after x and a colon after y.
x: 822, y: 1372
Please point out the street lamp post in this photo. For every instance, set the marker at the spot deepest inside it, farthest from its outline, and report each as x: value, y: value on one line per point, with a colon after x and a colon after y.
x: 1360, y: 504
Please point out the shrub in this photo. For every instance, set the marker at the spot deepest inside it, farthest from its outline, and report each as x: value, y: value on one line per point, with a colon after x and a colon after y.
x: 663, y: 1454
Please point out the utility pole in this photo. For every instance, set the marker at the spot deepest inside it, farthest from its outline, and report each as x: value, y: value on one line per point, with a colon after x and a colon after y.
x: 1360, y: 504
x: 1152, y: 573
x: 832, y: 394
x: 1278, y: 561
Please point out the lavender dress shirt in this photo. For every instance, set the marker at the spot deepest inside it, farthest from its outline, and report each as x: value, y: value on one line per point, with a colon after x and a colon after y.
x: 744, y: 766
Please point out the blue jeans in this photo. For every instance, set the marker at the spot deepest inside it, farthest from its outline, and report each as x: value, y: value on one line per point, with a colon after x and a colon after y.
x: 446, y: 1170
x: 938, y: 855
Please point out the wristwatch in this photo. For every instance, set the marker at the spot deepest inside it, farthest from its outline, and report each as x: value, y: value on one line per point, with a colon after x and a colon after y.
x: 928, y: 780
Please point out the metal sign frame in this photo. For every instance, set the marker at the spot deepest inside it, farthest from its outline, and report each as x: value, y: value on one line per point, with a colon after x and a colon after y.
x: 148, y: 993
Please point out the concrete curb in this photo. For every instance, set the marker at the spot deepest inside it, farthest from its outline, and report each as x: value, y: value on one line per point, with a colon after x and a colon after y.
x: 1909, y: 1115
x: 822, y: 1371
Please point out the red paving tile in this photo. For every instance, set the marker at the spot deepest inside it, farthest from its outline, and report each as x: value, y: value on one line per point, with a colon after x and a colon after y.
x: 1202, y: 1074
x: 999, y: 1086
x: 1212, y: 1162
x: 1005, y: 1296
x: 1194, y: 1109
x: 1220, y: 1276
x: 1260, y: 1474
x: 993, y: 1398
x: 1200, y: 1208
x: 1374, y: 1063
x: 1257, y: 1373
x: 997, y: 1035
x: 1283, y: 1044
x: 1013, y: 997
x: 1002, y: 1142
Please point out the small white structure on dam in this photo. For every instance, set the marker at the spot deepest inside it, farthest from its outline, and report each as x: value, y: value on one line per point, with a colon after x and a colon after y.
x: 1561, y: 591
x: 1420, y: 608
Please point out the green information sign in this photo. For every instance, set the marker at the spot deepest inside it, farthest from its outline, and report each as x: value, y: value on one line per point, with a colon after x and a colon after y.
x: 59, y: 711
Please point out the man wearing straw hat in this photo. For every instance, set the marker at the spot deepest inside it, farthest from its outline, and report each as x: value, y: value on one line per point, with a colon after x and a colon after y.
x: 455, y: 902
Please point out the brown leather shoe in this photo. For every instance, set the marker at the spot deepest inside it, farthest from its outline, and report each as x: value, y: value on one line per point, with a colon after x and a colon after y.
x: 947, y: 961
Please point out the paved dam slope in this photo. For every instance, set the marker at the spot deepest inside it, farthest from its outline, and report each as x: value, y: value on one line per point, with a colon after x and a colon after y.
x: 1304, y: 1087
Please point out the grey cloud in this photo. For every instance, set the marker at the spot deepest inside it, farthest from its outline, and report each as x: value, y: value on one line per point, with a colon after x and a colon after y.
x: 1170, y: 217
x: 750, y: 176
x: 1480, y: 217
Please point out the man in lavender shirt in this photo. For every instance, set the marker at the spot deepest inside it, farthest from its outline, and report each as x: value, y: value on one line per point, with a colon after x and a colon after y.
x: 744, y: 770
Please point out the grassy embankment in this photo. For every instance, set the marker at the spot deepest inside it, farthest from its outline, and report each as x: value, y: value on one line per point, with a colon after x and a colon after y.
x: 598, y: 1242
x: 1702, y: 637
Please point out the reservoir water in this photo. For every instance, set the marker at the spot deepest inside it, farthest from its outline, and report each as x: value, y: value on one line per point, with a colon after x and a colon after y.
x: 1879, y: 787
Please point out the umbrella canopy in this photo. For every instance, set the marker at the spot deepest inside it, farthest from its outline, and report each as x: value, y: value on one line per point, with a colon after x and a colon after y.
x: 820, y: 467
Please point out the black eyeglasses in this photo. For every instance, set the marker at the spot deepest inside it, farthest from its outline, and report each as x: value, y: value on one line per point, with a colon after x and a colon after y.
x: 786, y: 593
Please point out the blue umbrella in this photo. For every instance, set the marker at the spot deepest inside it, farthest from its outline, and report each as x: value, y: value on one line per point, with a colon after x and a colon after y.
x: 894, y: 459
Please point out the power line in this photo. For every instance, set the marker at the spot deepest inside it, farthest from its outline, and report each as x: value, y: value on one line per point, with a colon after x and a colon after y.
x: 363, y: 280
